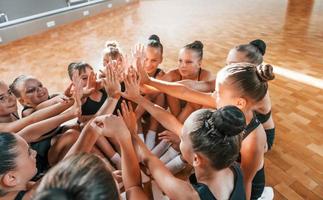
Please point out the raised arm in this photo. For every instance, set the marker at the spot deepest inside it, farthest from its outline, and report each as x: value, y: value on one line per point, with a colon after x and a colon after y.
x: 114, y: 127
x: 177, y: 90
x: 162, y: 116
x: 202, y: 86
x: 112, y: 87
x: 172, y: 186
x: 34, y: 131
x: 37, y: 116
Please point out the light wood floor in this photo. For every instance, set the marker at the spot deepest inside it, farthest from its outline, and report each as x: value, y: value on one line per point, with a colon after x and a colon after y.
x: 292, y: 29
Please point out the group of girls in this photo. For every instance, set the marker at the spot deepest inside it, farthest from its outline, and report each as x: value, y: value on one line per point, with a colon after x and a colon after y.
x: 133, y: 122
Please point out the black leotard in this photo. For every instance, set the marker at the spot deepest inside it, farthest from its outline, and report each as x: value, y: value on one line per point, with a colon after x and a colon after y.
x: 238, y: 192
x: 90, y: 107
x: 20, y: 195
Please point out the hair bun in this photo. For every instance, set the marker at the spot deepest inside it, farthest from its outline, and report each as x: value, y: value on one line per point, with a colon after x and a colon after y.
x: 229, y: 120
x: 154, y: 37
x: 197, y: 45
x: 112, y: 44
x: 260, y: 44
x: 265, y: 72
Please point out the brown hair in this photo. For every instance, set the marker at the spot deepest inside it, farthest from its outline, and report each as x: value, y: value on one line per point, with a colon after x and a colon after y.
x: 249, y: 80
x: 13, y: 86
x: 8, y: 155
x: 254, y: 51
x: 81, y: 176
x: 80, y: 66
x: 196, y: 46
x: 217, y: 134
x: 154, y: 41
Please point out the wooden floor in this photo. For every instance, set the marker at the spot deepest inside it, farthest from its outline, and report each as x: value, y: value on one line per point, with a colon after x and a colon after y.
x: 292, y: 29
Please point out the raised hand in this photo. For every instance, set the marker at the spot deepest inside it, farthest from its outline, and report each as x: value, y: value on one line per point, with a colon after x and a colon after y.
x: 69, y: 90
x: 77, y: 94
x: 91, y: 85
x: 111, y: 81
x: 129, y: 117
x: 132, y: 86
x: 139, y: 55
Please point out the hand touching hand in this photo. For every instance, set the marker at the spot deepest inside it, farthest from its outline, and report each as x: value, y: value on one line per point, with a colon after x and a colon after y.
x: 132, y: 87
x: 129, y: 117
x: 111, y: 82
x: 111, y: 126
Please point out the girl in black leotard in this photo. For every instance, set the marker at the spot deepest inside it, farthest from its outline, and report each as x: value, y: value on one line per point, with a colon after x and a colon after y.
x: 92, y: 103
x: 32, y: 94
x: 113, y: 53
x: 244, y: 85
x: 18, y: 160
x: 253, y: 53
x: 189, y: 67
x: 153, y: 59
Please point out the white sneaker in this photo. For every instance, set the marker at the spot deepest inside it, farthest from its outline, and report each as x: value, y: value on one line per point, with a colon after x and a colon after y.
x: 267, y: 194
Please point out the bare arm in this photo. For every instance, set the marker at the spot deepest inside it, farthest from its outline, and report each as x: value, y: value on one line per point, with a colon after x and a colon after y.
x: 166, y: 119
x: 202, y: 86
x: 182, y: 92
x: 252, y: 156
x: 172, y: 186
x: 85, y: 141
x: 34, y: 131
x: 114, y: 127
x: 37, y: 116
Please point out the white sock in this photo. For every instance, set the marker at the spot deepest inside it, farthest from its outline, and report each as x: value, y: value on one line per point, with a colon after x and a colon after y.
x: 160, y: 148
x: 176, y: 165
x: 168, y: 155
x: 150, y: 139
x: 116, y: 159
x: 141, y: 135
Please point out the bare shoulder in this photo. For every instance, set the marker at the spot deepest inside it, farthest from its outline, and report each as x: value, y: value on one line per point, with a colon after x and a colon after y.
x: 172, y: 75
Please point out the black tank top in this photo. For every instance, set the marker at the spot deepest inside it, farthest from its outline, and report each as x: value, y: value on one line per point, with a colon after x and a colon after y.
x: 16, y: 116
x: 20, y: 195
x: 90, y: 107
x: 157, y: 72
x: 238, y: 192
